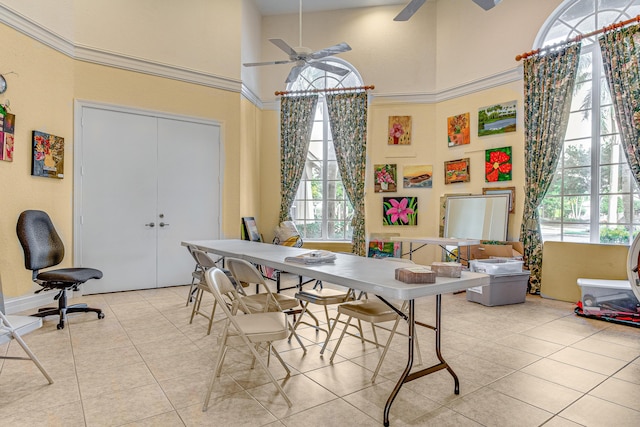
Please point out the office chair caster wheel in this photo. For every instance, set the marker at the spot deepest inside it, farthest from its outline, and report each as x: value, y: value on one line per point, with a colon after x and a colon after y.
x: 60, y: 326
x: 100, y: 315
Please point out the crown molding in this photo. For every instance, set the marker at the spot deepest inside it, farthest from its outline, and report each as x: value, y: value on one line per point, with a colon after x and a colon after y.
x: 500, y: 79
x: 49, y: 38
x: 251, y: 96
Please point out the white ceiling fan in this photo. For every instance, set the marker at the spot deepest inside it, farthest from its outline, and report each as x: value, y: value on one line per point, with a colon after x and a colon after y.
x: 303, y: 56
x: 414, y: 5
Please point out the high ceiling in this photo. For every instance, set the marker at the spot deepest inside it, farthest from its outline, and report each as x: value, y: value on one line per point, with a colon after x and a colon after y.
x: 277, y: 7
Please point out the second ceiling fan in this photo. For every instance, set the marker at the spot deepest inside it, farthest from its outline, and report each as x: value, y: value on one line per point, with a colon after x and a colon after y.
x: 303, y: 56
x: 414, y: 5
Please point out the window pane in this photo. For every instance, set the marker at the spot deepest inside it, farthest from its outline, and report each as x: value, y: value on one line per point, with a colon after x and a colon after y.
x: 579, y: 125
x: 608, y: 121
x: 578, y: 11
x: 315, y: 150
x: 581, y: 96
x: 578, y: 233
x: 611, y: 150
x: 615, y: 209
x: 576, y: 209
x: 577, y: 153
x: 605, y: 93
x: 614, y: 234
x: 577, y: 181
x: 614, y: 179
x: 551, y: 209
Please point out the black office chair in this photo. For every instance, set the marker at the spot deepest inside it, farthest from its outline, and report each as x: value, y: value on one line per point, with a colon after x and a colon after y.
x: 43, y: 248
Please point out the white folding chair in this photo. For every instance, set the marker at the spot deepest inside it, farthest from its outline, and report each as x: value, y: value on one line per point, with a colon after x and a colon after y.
x: 251, y: 329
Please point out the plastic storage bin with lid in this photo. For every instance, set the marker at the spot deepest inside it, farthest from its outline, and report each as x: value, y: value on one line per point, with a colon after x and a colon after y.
x: 508, y: 282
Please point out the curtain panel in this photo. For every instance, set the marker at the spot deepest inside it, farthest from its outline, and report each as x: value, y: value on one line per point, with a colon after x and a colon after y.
x: 348, y: 119
x: 296, y: 120
x: 548, y: 89
x: 620, y: 61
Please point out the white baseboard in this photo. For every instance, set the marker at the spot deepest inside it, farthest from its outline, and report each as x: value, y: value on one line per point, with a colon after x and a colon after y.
x: 33, y: 301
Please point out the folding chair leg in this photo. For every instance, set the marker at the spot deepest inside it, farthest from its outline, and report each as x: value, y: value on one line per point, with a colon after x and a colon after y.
x: 386, y: 348
x: 266, y: 369
x: 344, y: 331
x: 32, y: 356
x: 293, y: 332
x: 216, y: 373
x: 329, y: 335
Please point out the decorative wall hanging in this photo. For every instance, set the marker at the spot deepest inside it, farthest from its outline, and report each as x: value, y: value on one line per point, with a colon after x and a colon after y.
x: 400, y: 211
x: 417, y: 176
x: 48, y: 155
x: 380, y: 248
x: 399, y: 130
x: 498, y: 164
x: 6, y: 136
x: 499, y: 118
x: 458, y: 130
x: 456, y: 171
x: 385, y: 178
x: 511, y: 191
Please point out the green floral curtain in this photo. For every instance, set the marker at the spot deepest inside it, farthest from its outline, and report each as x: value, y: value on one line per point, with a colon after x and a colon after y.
x: 296, y: 120
x: 348, y: 119
x: 620, y: 60
x: 548, y: 89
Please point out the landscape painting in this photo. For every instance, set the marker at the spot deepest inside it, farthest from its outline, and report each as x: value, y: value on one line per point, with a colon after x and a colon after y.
x: 496, y: 119
x: 417, y: 176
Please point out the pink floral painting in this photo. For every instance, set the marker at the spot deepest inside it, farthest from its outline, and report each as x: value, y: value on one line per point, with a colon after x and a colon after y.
x: 385, y: 178
x: 399, y: 130
x: 400, y: 211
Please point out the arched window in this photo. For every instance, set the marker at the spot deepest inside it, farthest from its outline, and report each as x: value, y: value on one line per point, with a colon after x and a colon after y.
x: 321, y: 209
x: 593, y: 197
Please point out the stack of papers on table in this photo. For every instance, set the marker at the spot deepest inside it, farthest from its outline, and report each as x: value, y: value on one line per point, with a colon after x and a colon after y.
x: 312, y: 257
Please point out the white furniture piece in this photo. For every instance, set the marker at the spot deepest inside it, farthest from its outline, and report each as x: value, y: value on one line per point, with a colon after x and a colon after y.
x: 443, y: 242
x: 374, y: 276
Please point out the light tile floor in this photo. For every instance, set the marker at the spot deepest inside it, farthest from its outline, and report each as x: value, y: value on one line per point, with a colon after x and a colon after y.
x: 521, y: 365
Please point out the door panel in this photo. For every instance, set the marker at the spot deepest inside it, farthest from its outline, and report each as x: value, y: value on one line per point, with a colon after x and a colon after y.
x: 118, y: 198
x: 188, y: 194
x: 136, y: 167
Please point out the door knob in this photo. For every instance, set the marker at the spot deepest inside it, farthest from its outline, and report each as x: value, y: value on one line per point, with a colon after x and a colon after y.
x: 162, y: 224
x: 151, y: 225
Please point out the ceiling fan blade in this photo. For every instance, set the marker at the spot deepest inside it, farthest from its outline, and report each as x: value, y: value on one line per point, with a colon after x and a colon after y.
x: 329, y: 68
x: 294, y: 73
x: 409, y: 10
x: 284, y: 46
x: 254, y: 64
x: 332, y: 50
x: 486, y: 4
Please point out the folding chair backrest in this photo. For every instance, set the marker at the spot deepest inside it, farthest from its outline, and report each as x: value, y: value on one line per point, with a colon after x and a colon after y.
x: 243, y: 271
x: 203, y: 259
x: 223, y: 291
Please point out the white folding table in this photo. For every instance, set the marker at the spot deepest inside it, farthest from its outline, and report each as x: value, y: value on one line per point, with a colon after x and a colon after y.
x: 369, y: 275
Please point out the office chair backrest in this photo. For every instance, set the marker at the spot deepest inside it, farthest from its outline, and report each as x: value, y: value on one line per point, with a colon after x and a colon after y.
x: 40, y: 242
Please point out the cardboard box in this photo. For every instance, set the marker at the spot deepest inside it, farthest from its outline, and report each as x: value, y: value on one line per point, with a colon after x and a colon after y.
x: 497, y: 250
x: 503, y: 289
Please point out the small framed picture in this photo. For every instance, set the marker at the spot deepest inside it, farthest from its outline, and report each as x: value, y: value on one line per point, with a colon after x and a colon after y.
x: 456, y: 171
x: 250, y: 229
x: 511, y: 191
x: 48, y: 155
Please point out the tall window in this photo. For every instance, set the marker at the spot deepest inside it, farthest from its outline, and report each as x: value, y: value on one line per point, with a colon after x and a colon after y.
x: 321, y: 209
x: 593, y: 196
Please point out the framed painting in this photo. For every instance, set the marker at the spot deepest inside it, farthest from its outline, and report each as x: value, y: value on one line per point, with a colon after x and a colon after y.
x: 511, y: 191
x: 384, y: 249
x: 456, y: 171
x: 399, y: 130
x: 385, y: 178
x: 498, y: 164
x: 458, y: 131
x: 400, y: 211
x: 496, y: 119
x: 7, y: 129
x: 48, y: 155
x: 250, y: 229
x: 417, y: 176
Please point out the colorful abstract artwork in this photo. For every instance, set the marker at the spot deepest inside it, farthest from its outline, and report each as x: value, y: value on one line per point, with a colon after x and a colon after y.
x: 498, y: 164
x: 7, y: 129
x: 399, y: 130
x: 499, y: 118
x: 458, y: 130
x: 400, y: 211
x: 417, y: 176
x: 384, y: 249
x: 456, y: 171
x: 48, y: 155
x: 385, y: 178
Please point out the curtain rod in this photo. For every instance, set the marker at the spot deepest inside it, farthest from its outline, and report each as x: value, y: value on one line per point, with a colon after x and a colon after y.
x: 335, y: 89
x: 580, y: 37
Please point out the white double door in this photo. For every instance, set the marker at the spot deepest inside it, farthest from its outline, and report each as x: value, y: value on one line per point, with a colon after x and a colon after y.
x: 144, y: 184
